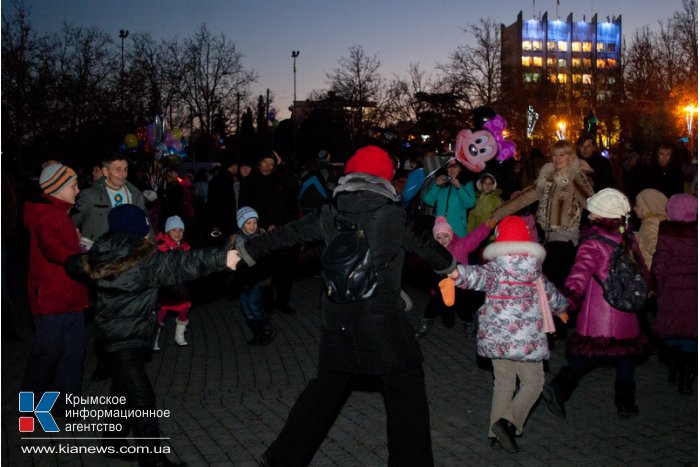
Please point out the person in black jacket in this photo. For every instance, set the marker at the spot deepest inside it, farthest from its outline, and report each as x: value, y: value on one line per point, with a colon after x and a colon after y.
x: 127, y: 272
x: 372, y: 337
x: 603, y: 176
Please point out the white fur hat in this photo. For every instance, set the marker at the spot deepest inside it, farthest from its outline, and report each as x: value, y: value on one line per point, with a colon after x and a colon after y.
x: 609, y: 203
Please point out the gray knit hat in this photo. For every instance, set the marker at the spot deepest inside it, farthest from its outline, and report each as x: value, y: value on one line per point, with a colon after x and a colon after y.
x: 609, y: 203
x: 244, y: 214
x: 55, y: 177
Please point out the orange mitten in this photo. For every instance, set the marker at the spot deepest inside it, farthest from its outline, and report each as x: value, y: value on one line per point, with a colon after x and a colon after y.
x: 447, y: 290
x: 564, y: 317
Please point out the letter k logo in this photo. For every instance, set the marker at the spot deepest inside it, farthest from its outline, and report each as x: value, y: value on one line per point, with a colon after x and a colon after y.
x: 42, y: 411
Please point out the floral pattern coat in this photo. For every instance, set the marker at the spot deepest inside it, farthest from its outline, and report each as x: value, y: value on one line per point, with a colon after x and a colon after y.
x: 510, y: 321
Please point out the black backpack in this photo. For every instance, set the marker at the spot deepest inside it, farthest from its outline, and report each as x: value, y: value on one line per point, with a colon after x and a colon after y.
x: 625, y: 287
x: 347, y: 269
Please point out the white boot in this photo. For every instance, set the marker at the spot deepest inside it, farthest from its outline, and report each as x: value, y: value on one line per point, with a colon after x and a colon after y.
x: 156, y: 338
x: 180, y: 329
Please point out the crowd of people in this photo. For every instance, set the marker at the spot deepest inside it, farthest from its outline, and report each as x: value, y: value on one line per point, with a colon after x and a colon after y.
x: 518, y: 249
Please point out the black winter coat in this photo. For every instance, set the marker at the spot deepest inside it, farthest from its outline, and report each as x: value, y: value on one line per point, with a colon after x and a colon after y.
x: 128, y: 271
x: 372, y: 336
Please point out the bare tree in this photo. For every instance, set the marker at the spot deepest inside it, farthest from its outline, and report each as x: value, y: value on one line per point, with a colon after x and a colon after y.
x: 358, y: 80
x: 212, y: 74
x: 401, y: 100
x: 474, y: 72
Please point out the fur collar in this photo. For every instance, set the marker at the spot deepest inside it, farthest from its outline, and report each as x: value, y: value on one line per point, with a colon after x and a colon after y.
x: 108, y: 259
x: 358, y: 181
x: 496, y: 249
x: 564, y: 176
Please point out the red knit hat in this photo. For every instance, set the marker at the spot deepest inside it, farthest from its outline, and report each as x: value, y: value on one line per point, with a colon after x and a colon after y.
x: 512, y: 229
x: 371, y: 160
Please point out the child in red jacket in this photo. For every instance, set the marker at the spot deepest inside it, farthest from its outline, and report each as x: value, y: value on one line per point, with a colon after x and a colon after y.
x: 173, y: 298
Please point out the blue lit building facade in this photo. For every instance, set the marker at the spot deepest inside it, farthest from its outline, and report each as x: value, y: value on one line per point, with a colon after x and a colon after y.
x: 568, y: 68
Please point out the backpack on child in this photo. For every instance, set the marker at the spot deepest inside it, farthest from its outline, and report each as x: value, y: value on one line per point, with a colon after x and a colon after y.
x: 625, y: 287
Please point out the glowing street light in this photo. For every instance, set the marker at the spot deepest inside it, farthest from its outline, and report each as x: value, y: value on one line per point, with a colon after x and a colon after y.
x: 561, y: 129
x: 690, y: 110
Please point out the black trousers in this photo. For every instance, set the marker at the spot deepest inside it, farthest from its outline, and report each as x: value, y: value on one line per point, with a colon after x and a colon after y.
x: 557, y: 264
x: 313, y: 414
x: 467, y: 303
x: 129, y: 379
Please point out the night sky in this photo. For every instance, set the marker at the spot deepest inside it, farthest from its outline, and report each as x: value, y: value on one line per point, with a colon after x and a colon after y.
x: 399, y: 32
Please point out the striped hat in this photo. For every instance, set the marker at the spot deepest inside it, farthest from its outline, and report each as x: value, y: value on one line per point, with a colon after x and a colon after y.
x: 54, y: 177
x: 244, y: 214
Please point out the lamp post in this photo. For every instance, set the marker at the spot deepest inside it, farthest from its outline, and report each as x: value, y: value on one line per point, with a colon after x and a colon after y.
x: 690, y: 110
x: 123, y: 33
x: 295, y: 54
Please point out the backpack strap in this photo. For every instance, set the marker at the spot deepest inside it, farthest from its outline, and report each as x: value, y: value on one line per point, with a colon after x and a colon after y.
x: 605, y: 240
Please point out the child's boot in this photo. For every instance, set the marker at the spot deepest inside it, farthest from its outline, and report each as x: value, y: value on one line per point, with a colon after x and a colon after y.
x: 424, y: 326
x: 267, y: 333
x: 559, y: 390
x: 180, y: 329
x: 686, y: 373
x: 256, y: 328
x: 625, y: 399
x: 156, y: 336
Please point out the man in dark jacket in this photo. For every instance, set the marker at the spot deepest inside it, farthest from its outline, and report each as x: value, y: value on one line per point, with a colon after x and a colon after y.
x: 371, y: 337
x: 127, y: 272
x: 603, y: 176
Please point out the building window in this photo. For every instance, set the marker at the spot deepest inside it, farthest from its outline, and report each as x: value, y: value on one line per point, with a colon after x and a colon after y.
x: 576, y: 46
x: 586, y: 79
x: 535, y: 77
x: 611, y: 80
x: 600, y: 47
x: 611, y: 47
x: 561, y: 63
x: 537, y: 61
x: 527, y: 61
x: 562, y: 46
x: 586, y: 46
x: 600, y: 63
x: 576, y: 78
x: 527, y: 77
x: 527, y: 45
x: 551, y: 46
x: 562, y: 77
x: 553, y: 78
x: 612, y: 63
x: 576, y: 63
x: 551, y: 61
x: 537, y: 46
x: 587, y: 63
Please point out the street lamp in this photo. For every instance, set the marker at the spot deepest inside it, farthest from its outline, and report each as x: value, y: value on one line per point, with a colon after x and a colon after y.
x: 122, y: 35
x: 295, y: 54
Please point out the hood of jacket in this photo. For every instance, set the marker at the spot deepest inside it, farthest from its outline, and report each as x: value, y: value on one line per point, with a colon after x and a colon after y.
x: 374, y: 192
x: 114, y: 253
x: 520, y: 267
x: 653, y: 202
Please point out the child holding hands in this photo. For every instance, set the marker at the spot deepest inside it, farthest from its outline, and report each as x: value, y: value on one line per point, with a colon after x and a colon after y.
x: 513, y: 323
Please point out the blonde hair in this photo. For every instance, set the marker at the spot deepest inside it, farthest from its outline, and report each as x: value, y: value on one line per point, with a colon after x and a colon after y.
x: 563, y: 146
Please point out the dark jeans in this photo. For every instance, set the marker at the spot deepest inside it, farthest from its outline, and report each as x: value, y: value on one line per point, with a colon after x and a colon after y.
x: 283, y: 273
x: 129, y: 379
x: 624, y: 367
x: 57, y: 356
x: 557, y: 264
x: 313, y: 414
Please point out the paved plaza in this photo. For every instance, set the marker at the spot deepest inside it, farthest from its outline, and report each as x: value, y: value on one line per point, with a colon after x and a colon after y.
x: 229, y: 401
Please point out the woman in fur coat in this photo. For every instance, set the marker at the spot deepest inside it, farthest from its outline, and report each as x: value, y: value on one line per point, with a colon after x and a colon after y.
x: 562, y: 188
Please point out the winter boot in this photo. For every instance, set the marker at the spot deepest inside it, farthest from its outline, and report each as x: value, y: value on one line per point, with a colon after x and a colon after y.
x: 686, y: 372
x: 267, y: 333
x: 625, y: 399
x: 156, y: 338
x: 505, y: 433
x: 257, y: 331
x: 180, y: 329
x: 672, y: 357
x: 559, y: 390
x: 424, y: 326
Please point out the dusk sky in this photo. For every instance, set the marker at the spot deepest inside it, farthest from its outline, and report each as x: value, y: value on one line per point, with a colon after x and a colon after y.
x: 399, y: 32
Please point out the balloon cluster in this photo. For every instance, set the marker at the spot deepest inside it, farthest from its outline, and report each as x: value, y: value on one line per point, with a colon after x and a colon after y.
x: 156, y: 139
